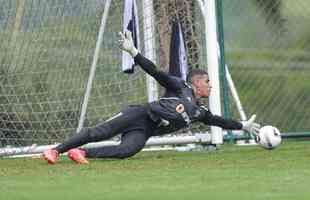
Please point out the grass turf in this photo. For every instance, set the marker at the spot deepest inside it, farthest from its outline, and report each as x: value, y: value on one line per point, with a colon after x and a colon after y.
x: 233, y: 172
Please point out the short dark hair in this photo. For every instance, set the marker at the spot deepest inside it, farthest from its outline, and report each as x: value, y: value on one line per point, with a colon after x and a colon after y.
x: 195, y: 72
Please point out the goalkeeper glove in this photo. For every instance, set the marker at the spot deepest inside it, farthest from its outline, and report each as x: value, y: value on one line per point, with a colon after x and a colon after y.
x: 250, y: 126
x: 126, y: 43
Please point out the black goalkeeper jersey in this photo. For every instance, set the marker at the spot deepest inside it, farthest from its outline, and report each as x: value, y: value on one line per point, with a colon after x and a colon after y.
x: 178, y: 106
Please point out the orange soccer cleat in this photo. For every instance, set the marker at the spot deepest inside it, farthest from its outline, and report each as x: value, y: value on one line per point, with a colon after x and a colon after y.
x: 78, y: 156
x: 51, y: 155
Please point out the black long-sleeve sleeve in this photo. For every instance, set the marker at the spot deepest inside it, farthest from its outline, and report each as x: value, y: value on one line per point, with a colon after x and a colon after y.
x: 165, y: 80
x: 215, y: 120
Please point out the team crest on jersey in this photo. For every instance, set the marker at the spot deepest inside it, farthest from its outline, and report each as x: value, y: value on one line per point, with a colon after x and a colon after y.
x: 179, y: 108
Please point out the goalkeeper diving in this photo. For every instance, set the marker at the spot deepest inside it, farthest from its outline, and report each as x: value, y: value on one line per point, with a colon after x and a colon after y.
x: 179, y: 107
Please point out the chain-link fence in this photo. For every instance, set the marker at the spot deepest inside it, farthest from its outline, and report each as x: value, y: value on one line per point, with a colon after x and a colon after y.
x: 267, y: 46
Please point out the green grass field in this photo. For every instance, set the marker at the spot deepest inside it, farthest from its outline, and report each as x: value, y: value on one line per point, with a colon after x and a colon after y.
x: 233, y: 172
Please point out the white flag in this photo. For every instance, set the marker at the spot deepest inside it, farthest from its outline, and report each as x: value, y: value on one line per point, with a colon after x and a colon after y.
x: 130, y: 23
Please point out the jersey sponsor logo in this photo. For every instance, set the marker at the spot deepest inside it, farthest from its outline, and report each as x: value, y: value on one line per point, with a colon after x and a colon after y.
x: 179, y: 108
x: 186, y: 118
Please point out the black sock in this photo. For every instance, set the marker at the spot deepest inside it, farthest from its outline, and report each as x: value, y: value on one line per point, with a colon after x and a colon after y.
x: 75, y: 141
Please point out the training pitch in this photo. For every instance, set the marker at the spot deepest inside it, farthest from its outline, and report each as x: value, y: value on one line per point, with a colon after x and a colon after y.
x: 231, y: 173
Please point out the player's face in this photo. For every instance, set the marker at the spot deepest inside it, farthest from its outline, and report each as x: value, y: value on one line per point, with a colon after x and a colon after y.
x: 203, y: 86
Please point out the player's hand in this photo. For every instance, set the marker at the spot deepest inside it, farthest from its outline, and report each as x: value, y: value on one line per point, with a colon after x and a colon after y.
x: 126, y: 43
x: 250, y: 125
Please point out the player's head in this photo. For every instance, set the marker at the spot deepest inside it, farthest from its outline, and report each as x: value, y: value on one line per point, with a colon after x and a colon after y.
x: 200, y: 82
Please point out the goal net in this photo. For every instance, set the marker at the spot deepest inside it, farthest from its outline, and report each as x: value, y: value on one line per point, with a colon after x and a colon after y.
x: 47, y: 49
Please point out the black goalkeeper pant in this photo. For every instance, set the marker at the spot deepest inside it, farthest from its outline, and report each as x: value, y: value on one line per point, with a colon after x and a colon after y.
x: 133, y: 123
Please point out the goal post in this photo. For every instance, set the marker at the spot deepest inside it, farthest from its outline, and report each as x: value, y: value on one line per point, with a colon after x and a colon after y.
x: 149, y: 46
x: 93, y: 65
x: 215, y: 53
x: 213, y: 58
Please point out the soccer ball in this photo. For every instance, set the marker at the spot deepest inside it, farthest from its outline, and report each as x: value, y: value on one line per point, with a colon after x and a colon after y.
x: 269, y: 137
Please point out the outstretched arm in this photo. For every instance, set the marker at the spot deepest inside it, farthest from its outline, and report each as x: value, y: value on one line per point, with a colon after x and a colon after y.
x: 148, y: 66
x: 229, y: 124
x: 161, y: 77
x: 214, y: 120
